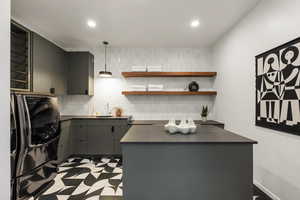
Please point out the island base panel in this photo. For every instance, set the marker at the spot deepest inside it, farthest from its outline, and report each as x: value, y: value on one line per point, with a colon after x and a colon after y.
x: 187, y: 171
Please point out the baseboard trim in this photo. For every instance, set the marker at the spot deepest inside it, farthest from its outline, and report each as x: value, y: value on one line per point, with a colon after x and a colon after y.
x: 266, y: 190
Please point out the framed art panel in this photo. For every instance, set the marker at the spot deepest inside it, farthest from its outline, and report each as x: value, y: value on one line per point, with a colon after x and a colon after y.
x: 278, y: 88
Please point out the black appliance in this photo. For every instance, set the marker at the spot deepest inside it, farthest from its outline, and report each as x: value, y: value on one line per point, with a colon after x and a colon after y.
x: 35, y: 131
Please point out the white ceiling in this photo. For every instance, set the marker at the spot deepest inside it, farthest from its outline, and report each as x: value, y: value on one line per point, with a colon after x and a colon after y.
x: 130, y: 23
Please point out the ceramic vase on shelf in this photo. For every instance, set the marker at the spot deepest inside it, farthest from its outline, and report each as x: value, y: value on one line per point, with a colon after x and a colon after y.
x: 193, y: 86
x: 204, y: 118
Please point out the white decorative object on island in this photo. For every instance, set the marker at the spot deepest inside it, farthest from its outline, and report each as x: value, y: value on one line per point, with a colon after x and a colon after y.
x: 184, y: 127
x: 192, y: 125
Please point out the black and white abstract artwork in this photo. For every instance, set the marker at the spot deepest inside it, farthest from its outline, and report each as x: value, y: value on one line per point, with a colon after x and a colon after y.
x: 278, y: 88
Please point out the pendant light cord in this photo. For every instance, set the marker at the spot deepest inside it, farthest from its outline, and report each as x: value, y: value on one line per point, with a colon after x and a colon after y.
x: 105, y: 56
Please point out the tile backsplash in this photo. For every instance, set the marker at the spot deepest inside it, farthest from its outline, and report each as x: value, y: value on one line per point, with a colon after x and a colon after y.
x: 108, y: 90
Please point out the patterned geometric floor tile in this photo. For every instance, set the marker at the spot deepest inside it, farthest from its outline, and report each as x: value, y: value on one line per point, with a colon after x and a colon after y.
x: 95, y: 179
x: 87, y: 179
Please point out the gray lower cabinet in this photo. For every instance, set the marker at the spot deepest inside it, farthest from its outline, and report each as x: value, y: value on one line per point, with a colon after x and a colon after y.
x: 64, y: 145
x: 117, y: 147
x: 104, y: 136
x: 91, y: 137
x: 118, y: 132
x: 100, y: 139
x: 79, y: 136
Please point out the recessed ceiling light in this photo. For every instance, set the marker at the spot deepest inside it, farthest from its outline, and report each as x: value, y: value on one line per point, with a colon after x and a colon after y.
x: 195, y: 23
x: 91, y: 23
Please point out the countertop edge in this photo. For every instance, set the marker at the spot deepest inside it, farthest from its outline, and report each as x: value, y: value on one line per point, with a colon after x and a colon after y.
x: 223, y: 142
x: 156, y: 122
x: 67, y: 118
x: 224, y: 137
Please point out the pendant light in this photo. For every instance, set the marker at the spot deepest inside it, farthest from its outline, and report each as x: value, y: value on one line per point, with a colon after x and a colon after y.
x: 105, y: 73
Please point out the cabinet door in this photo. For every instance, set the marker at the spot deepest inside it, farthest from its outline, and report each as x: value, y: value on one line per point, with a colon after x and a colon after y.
x: 80, y: 139
x: 59, y: 78
x: 80, y: 132
x: 117, y: 147
x: 100, y: 140
x: 118, y: 132
x: 80, y: 147
x: 20, y: 58
x: 49, y: 66
x: 63, y: 147
x: 78, y: 73
x: 91, y: 75
x: 41, y: 64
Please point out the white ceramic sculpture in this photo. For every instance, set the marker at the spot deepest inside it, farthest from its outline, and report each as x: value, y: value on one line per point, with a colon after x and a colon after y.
x: 192, y: 125
x: 185, y: 127
x: 171, y: 126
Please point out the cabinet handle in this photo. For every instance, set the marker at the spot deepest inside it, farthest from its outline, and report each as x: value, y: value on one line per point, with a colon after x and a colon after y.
x: 112, y: 129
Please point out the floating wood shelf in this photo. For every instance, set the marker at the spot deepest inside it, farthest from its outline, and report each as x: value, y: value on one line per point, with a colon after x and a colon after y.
x: 169, y: 93
x: 169, y: 74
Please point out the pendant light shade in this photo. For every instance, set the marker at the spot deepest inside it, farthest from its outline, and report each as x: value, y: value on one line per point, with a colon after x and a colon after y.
x: 105, y: 73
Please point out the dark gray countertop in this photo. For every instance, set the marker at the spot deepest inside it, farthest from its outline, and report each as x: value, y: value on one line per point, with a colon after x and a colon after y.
x: 82, y: 117
x: 205, y: 134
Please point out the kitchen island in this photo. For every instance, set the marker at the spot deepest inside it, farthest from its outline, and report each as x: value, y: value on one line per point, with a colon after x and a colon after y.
x: 211, y: 164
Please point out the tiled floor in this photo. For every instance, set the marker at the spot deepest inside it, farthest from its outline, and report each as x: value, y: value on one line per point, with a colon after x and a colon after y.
x: 85, y: 179
x: 93, y: 179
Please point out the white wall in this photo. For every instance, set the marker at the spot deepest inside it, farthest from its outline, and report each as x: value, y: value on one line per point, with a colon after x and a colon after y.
x: 146, y: 107
x: 277, y: 156
x: 4, y: 98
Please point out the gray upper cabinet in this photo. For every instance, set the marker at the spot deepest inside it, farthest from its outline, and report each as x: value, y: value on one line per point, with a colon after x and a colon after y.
x: 49, y: 66
x: 80, y: 73
x: 20, y: 58
x: 39, y: 65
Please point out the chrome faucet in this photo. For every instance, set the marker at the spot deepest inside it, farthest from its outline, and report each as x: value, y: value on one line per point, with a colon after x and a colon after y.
x: 107, y: 109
